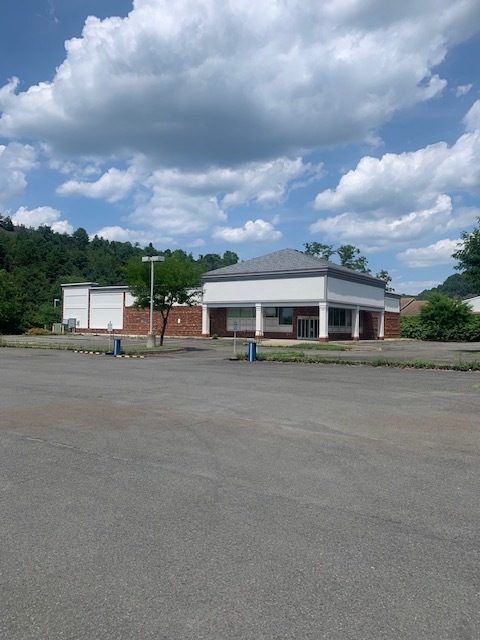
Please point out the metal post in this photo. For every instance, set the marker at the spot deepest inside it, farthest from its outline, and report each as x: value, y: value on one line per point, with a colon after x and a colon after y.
x: 151, y: 297
x: 152, y: 260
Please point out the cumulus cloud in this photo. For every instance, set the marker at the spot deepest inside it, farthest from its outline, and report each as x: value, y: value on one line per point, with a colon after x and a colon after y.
x: 438, y: 253
x: 218, y: 83
x: 122, y: 234
x: 251, y: 231
x: 472, y: 119
x: 175, y: 202
x: 112, y: 186
x: 402, y: 197
x: 414, y: 287
x: 41, y: 216
x: 16, y: 161
x: 463, y: 89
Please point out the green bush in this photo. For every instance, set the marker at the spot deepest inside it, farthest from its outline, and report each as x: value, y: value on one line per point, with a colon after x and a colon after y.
x: 411, y: 327
x: 445, y: 319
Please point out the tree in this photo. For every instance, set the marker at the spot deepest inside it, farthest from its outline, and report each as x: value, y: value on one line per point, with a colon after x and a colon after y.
x: 173, y: 283
x: 468, y: 257
x: 319, y: 250
x: 384, y: 275
x: 445, y: 319
x: 11, y: 305
x: 350, y: 257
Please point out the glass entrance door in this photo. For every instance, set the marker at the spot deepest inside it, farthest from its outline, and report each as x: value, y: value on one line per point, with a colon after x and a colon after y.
x: 307, y: 328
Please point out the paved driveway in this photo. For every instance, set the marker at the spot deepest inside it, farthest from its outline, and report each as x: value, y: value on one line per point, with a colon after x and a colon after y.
x: 187, y: 497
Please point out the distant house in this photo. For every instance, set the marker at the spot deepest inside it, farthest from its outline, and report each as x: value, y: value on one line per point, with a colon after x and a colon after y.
x: 474, y: 304
x: 285, y: 294
x: 411, y: 306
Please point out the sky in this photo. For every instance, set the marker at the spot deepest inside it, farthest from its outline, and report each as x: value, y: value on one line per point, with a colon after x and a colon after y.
x: 232, y: 125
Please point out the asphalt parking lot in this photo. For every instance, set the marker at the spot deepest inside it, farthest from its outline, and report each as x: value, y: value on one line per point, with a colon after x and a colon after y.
x: 186, y: 496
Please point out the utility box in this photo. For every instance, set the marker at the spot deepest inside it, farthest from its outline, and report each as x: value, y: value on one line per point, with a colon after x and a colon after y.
x: 58, y: 327
x: 71, y: 324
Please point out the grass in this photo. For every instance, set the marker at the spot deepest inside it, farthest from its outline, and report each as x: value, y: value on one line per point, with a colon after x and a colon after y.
x: 300, y: 357
x: 311, y: 346
x: 88, y: 348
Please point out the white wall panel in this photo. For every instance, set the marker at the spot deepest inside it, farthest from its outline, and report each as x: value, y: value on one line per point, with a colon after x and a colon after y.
x: 274, y: 292
x: 345, y: 292
x: 392, y: 304
x: 105, y: 307
x: 75, y: 305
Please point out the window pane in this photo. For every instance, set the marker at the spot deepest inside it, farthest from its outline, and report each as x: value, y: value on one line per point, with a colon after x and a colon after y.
x: 271, y: 312
x: 285, y: 315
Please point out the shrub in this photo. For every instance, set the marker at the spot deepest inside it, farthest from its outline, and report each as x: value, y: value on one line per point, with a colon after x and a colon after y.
x: 38, y: 331
x: 443, y: 318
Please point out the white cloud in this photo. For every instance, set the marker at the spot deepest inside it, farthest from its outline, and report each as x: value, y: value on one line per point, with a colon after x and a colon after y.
x: 175, y: 202
x: 463, y: 89
x: 258, y: 231
x: 402, y: 197
x: 438, y: 253
x: 218, y: 83
x: 121, y: 234
x: 16, y: 160
x: 472, y: 119
x: 41, y: 216
x: 112, y: 186
x: 414, y: 287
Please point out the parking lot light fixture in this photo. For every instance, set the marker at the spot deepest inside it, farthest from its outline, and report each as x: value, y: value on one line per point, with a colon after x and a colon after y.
x: 152, y: 260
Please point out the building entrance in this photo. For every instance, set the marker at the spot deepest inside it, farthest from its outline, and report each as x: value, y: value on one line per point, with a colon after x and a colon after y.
x: 307, y: 328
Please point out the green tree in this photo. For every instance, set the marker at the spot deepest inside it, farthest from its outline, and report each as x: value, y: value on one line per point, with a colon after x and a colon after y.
x: 349, y: 255
x: 445, y: 319
x: 319, y: 250
x: 11, y: 304
x: 173, y: 284
x: 384, y: 275
x: 351, y: 258
x: 468, y: 257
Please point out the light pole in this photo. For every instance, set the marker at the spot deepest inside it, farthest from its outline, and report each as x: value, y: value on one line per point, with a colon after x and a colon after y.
x: 152, y: 260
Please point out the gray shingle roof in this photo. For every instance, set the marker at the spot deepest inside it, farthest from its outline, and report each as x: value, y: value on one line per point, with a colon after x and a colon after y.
x: 287, y: 262
x: 283, y: 260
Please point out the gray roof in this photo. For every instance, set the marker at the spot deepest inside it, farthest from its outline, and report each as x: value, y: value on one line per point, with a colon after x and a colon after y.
x: 283, y: 260
x: 286, y: 262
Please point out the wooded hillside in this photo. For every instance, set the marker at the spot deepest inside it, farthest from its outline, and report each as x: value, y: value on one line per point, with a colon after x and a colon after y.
x: 35, y: 262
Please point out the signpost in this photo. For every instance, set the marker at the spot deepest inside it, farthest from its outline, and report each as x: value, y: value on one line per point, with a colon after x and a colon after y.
x: 235, y: 327
x: 109, y: 329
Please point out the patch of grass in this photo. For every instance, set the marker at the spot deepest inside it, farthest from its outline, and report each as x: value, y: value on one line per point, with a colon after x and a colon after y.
x: 38, y: 331
x: 313, y: 346
x: 300, y: 357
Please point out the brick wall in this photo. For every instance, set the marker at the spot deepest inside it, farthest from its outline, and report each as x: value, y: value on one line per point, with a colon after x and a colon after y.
x: 182, y: 321
x: 392, y: 325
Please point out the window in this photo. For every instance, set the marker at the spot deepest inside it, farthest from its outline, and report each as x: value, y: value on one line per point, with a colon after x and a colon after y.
x: 339, y: 320
x: 285, y: 315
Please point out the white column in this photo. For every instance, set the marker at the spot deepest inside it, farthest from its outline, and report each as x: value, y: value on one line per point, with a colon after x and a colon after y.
x: 323, y: 322
x: 356, y: 324
x: 381, y: 325
x: 205, y: 320
x: 258, y: 321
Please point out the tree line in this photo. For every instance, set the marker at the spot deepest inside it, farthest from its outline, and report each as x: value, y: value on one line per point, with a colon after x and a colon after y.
x: 35, y: 262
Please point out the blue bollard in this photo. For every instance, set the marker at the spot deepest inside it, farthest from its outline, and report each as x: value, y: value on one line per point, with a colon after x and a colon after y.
x: 252, y: 351
x: 117, y: 346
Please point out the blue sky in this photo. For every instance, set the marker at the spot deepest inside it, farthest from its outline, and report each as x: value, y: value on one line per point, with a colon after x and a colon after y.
x: 211, y: 125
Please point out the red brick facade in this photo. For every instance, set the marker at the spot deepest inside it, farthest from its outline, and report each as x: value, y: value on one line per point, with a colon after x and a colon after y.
x: 187, y: 322
x: 218, y: 324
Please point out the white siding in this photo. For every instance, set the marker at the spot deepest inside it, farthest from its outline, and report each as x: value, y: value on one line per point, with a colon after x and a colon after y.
x: 274, y: 292
x: 474, y: 304
x: 354, y: 293
x: 392, y: 304
x: 75, y: 305
x: 105, y: 307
